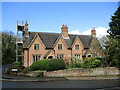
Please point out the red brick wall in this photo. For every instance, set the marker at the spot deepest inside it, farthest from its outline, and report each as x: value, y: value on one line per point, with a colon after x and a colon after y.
x: 28, y: 55
x: 64, y: 50
x: 81, y: 48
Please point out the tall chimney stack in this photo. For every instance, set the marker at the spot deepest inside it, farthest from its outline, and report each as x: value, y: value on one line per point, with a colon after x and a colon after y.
x: 93, y: 32
x: 64, y: 31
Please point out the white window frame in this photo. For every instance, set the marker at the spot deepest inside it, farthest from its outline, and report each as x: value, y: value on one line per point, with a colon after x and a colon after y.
x: 36, y: 58
x: 36, y: 46
x: 59, y: 46
x: 77, y: 47
x: 77, y: 56
x: 61, y: 56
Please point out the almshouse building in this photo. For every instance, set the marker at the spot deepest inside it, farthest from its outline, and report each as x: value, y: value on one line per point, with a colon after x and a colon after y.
x: 41, y: 45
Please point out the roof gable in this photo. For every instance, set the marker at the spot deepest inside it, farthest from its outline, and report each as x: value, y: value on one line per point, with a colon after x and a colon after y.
x: 60, y: 37
x: 49, y: 39
x: 86, y: 40
x: 77, y: 38
x: 36, y: 36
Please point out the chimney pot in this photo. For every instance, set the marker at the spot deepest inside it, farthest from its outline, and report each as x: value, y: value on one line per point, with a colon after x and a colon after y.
x: 64, y: 31
x: 63, y: 25
x: 93, y: 32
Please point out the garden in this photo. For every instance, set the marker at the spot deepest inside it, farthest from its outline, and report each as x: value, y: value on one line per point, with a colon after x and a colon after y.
x: 60, y: 64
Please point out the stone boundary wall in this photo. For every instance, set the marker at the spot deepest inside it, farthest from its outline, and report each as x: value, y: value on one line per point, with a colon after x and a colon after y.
x: 84, y: 72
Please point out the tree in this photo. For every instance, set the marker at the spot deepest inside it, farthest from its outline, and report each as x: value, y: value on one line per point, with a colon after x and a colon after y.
x: 112, y: 50
x: 115, y: 24
x: 8, y: 47
x: 95, y: 48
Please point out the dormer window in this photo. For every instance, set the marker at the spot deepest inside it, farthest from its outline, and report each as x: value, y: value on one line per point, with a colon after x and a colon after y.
x: 77, y: 47
x: 36, y: 46
x: 59, y: 46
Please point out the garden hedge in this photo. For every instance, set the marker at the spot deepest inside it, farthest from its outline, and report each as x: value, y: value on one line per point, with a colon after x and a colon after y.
x: 48, y: 65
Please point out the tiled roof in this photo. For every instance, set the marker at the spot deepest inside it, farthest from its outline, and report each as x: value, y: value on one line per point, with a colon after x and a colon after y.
x: 49, y: 39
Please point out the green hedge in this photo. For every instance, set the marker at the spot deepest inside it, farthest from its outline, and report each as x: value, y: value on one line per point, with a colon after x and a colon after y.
x: 90, y: 63
x: 39, y: 65
x: 48, y: 65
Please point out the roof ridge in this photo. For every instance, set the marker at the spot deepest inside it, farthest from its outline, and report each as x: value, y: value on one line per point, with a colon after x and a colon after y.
x: 79, y: 35
x: 46, y: 32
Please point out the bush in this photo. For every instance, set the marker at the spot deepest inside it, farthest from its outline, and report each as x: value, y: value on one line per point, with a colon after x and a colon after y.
x: 74, y: 63
x: 116, y: 63
x: 17, y: 65
x: 39, y: 65
x: 55, y: 64
x: 90, y: 63
x: 48, y: 65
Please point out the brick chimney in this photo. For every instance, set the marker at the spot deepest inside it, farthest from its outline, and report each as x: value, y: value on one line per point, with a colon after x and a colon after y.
x: 93, y: 32
x: 64, y: 31
x: 26, y: 29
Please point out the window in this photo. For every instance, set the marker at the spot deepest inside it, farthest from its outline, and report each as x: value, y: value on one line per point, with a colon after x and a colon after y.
x: 77, y: 55
x: 77, y: 47
x: 59, y: 46
x: 36, y: 58
x: 61, y: 56
x: 36, y: 47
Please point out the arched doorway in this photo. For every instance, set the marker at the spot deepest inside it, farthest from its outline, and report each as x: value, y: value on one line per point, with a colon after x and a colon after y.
x: 50, y: 57
x: 89, y: 55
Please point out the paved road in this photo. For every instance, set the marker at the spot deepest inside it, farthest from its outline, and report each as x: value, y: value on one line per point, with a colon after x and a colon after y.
x: 97, y: 84
x: 64, y: 84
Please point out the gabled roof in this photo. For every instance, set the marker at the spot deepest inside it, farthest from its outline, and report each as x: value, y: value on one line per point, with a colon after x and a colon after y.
x: 49, y: 39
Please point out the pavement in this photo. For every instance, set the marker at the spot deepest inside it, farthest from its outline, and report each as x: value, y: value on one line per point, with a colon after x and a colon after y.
x: 6, y: 77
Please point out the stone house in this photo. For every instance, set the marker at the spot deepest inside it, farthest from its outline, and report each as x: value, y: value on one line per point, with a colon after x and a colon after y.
x: 41, y: 45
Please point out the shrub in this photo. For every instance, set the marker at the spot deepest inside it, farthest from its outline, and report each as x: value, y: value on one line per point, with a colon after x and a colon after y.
x: 16, y: 65
x: 90, y: 63
x: 74, y: 63
x: 39, y: 65
x: 116, y: 63
x: 48, y: 65
x: 55, y: 64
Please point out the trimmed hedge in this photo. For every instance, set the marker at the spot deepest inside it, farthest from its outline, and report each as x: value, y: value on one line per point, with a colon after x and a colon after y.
x: 55, y: 64
x: 48, y: 65
x: 39, y: 65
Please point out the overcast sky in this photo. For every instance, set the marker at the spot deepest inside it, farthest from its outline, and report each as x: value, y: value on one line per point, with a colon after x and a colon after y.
x: 80, y: 17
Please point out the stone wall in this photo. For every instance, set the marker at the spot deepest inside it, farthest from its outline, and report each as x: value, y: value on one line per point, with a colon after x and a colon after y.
x: 84, y: 72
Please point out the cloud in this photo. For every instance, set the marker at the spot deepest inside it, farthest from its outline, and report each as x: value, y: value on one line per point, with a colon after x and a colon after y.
x: 100, y: 31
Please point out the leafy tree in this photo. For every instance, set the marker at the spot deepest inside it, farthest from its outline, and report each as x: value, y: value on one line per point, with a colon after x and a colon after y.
x: 112, y: 50
x: 95, y: 48
x: 8, y: 47
x: 115, y: 24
